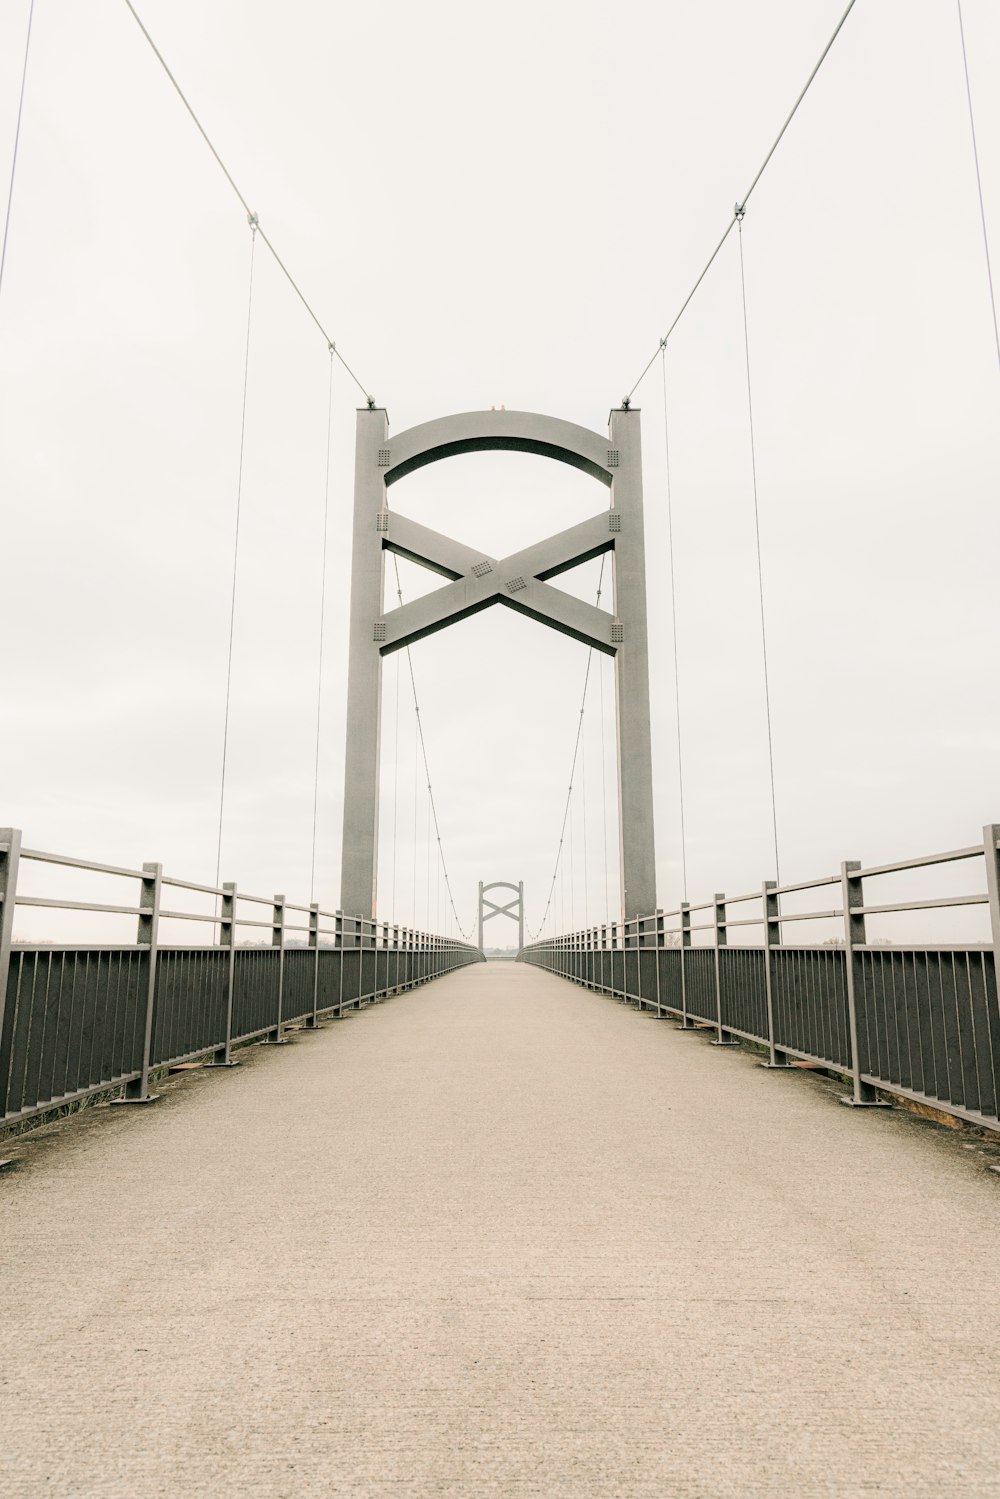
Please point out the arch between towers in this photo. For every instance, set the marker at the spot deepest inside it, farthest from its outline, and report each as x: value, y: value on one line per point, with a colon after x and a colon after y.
x: 477, y: 581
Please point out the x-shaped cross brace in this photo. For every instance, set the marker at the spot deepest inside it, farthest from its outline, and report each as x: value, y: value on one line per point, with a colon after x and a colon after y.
x: 495, y: 910
x: 478, y: 581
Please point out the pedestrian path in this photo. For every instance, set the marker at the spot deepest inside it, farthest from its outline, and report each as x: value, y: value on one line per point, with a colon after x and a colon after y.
x: 499, y: 1237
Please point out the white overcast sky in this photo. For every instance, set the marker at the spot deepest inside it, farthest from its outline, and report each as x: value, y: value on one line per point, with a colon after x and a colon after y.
x: 499, y: 204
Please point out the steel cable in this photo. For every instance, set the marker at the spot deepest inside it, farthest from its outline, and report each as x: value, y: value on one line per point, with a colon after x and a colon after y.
x: 430, y: 789
x: 569, y: 795
x: 236, y: 549
x: 246, y: 206
x: 741, y: 205
x: 673, y: 625
x: 760, y: 574
x: 979, y: 183
x: 17, y: 139
x: 322, y: 621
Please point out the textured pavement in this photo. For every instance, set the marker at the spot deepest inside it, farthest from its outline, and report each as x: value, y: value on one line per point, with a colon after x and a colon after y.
x: 499, y: 1236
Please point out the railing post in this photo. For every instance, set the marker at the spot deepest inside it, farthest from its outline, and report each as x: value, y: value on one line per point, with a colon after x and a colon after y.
x: 658, y: 948
x: 991, y: 834
x: 686, y: 1024
x: 385, y: 949
x: 278, y: 941
x: 852, y: 896
x: 222, y: 1057
x: 338, y: 947
x: 312, y: 1021
x: 10, y: 858
x: 721, y: 940
x: 722, y: 1037
x: 148, y: 935
x: 777, y: 1060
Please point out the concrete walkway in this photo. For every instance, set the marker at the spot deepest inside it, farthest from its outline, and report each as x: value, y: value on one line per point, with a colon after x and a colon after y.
x: 499, y: 1237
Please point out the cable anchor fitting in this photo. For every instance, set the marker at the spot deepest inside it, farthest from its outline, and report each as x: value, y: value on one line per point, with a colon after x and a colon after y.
x: 626, y: 402
x: 371, y: 402
x: 253, y: 221
x: 739, y: 209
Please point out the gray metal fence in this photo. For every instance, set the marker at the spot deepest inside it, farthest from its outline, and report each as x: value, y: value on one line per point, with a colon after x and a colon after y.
x: 918, y: 1021
x: 81, y: 1019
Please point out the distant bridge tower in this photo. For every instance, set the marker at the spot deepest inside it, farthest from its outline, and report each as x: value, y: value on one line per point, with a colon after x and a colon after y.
x: 513, y: 908
x: 476, y: 581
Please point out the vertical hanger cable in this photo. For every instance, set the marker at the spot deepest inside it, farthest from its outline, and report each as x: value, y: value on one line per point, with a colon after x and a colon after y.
x: 322, y: 624
x: 760, y: 575
x: 252, y: 220
x: 673, y: 623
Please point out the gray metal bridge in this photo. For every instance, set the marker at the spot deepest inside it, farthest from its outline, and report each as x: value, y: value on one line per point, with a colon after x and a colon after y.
x: 298, y: 1199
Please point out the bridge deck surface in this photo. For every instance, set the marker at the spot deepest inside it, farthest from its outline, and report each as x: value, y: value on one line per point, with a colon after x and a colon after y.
x: 499, y: 1237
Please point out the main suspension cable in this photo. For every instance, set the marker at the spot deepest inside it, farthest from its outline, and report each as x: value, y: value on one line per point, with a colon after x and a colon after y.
x: 322, y: 620
x: 741, y: 204
x: 760, y: 573
x: 979, y: 183
x: 236, y: 548
x: 17, y: 138
x: 430, y: 789
x: 673, y: 624
x: 246, y: 206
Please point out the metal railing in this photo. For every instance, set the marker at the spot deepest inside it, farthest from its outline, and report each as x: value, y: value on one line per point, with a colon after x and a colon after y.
x: 918, y: 1021
x: 82, y: 1019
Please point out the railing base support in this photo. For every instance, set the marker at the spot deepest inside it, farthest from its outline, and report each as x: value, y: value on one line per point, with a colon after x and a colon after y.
x: 277, y: 1041
x: 865, y: 1103
x: 216, y: 1062
x: 149, y: 1098
x: 777, y: 1066
x: 717, y: 1042
x: 5, y: 1163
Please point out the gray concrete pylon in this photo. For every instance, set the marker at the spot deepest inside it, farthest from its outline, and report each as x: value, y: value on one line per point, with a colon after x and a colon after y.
x: 513, y: 909
x: 522, y: 582
x: 637, y: 855
x: 364, y: 676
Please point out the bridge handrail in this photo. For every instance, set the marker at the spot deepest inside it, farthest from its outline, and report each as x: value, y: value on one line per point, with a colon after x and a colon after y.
x: 620, y: 929
x: 916, y: 1020
x: 373, y: 933
x: 82, y: 1018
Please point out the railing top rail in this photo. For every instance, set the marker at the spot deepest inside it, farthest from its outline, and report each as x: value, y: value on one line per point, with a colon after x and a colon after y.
x: 41, y: 857
x: 740, y: 900
x: 951, y: 857
x: 169, y: 879
x: 812, y: 915
x: 827, y: 879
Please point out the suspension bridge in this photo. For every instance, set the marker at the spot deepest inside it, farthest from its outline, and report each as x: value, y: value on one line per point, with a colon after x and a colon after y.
x: 316, y: 1192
